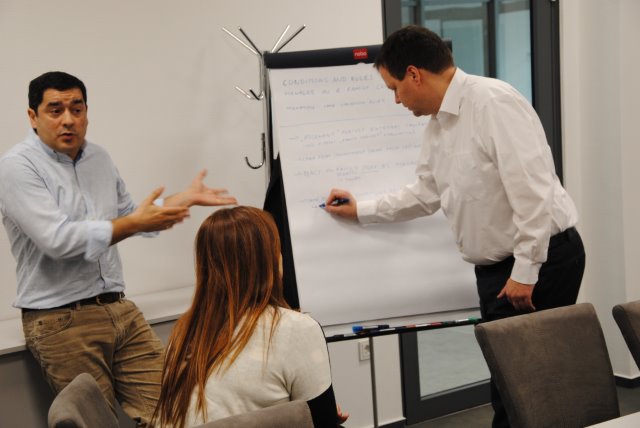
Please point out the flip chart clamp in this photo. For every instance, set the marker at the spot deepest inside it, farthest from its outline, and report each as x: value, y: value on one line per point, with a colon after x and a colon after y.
x: 262, y: 94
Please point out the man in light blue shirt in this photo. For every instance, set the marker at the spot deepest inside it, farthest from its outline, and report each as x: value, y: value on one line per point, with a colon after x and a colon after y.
x: 64, y: 206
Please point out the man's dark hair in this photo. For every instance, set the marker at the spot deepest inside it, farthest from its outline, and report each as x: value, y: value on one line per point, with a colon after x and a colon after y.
x: 413, y: 45
x: 57, y: 80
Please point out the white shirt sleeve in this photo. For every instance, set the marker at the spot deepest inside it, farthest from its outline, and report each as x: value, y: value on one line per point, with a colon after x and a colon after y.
x: 527, y: 174
x: 414, y: 200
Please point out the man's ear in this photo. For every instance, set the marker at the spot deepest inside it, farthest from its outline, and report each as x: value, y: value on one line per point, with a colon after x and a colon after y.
x: 32, y: 117
x: 413, y: 73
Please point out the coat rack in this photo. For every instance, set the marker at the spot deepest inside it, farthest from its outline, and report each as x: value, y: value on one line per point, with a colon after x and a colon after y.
x: 262, y: 94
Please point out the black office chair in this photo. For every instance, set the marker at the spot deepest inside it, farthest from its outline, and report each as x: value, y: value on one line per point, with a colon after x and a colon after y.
x: 81, y: 404
x: 551, y: 367
x: 627, y: 316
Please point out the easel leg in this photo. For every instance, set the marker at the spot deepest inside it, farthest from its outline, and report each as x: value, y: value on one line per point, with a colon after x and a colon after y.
x: 373, y: 383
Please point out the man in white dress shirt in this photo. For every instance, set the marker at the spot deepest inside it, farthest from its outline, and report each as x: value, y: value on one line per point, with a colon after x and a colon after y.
x: 486, y: 162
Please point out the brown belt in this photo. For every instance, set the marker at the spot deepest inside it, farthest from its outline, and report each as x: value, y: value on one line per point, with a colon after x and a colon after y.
x: 100, y: 299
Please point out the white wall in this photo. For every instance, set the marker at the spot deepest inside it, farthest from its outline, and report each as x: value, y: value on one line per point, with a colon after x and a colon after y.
x: 601, y: 132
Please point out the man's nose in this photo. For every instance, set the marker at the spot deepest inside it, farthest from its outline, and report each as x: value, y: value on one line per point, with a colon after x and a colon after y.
x: 67, y: 118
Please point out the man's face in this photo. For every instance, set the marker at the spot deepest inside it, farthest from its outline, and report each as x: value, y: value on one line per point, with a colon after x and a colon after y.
x: 409, y: 91
x: 61, y: 120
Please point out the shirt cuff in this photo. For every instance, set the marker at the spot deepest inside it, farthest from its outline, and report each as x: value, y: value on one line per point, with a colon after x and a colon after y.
x: 366, y: 211
x: 525, y: 272
x: 100, y: 234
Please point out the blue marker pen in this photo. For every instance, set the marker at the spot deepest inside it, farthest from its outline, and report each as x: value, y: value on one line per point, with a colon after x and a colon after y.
x: 335, y: 202
x: 365, y: 328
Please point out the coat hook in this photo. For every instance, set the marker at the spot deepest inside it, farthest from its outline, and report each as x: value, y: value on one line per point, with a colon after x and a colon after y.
x: 255, y: 52
x: 239, y: 89
x: 256, y: 96
x: 273, y: 49
x: 250, y: 41
x: 264, y: 156
x: 290, y: 38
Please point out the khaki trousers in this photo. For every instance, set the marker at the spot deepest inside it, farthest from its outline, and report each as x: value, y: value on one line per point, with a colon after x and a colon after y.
x: 112, y: 342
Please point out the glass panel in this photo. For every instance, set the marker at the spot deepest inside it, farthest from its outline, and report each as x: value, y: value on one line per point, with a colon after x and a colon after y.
x: 513, y: 44
x: 449, y: 359
x: 408, y: 12
x: 466, y: 25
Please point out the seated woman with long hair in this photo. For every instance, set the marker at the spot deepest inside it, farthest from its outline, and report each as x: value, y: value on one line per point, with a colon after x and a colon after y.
x: 240, y: 347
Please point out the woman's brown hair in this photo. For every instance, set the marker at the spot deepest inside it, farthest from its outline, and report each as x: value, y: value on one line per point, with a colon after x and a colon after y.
x: 237, y: 261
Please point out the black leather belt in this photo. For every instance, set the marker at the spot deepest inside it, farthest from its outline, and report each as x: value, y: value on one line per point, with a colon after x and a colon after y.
x: 567, y: 235
x: 100, y: 299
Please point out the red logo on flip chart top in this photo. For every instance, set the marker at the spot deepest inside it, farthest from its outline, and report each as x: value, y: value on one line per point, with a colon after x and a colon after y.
x: 360, y: 53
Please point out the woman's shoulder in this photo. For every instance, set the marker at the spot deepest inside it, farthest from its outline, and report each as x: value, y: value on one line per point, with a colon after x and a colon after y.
x: 295, y: 325
x: 297, y: 318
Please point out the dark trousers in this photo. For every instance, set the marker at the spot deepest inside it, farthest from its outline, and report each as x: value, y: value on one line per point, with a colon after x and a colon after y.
x: 558, y: 285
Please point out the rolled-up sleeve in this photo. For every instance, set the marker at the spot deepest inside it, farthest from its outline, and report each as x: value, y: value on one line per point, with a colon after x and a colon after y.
x: 99, y: 239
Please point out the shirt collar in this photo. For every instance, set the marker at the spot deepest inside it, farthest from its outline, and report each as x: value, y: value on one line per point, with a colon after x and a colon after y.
x: 453, y: 96
x: 35, y: 141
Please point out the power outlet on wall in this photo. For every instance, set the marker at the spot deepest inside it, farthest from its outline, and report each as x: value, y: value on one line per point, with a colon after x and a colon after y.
x: 363, y: 350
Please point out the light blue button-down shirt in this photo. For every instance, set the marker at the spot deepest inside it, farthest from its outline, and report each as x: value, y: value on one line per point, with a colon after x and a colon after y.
x: 58, y: 214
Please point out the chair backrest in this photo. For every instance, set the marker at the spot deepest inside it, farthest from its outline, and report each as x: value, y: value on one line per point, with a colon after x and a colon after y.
x: 81, y: 404
x: 294, y: 414
x: 552, y: 367
x: 627, y: 316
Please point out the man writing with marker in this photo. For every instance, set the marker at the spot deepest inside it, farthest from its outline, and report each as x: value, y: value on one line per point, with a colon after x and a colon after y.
x: 65, y: 206
x: 486, y: 163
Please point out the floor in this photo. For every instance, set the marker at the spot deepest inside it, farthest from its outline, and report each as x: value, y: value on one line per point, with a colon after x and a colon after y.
x: 480, y: 417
